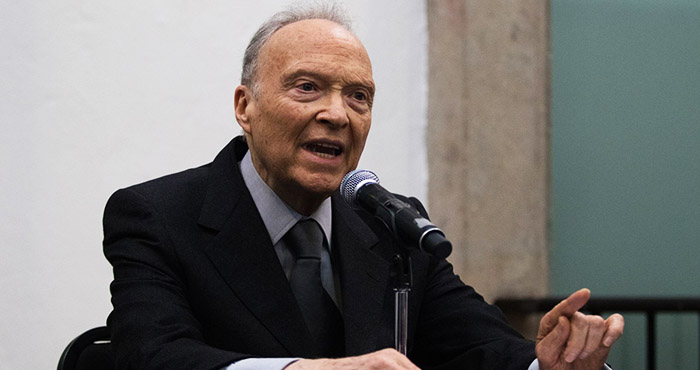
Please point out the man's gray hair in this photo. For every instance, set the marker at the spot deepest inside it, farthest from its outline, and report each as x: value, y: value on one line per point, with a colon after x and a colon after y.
x: 328, y: 11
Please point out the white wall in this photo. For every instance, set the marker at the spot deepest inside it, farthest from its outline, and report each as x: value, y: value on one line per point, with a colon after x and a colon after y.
x: 97, y: 95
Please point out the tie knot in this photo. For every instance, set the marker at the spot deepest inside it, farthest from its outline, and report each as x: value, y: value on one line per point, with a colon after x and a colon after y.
x: 305, y: 239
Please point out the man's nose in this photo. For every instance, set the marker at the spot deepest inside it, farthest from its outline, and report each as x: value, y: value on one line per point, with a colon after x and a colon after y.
x: 334, y: 111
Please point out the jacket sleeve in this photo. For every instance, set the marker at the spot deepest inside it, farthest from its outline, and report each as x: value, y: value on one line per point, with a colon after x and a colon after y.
x: 457, y: 329
x: 152, y: 325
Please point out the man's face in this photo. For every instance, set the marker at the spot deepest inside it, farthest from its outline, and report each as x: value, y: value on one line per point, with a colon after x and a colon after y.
x: 309, y: 116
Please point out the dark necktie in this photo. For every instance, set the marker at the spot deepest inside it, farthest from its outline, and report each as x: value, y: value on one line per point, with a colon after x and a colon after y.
x: 305, y: 241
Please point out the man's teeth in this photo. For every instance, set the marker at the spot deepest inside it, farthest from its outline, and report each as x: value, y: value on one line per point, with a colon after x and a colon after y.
x: 324, y: 150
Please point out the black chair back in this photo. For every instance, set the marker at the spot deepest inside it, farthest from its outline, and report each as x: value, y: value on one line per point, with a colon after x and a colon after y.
x: 88, y: 351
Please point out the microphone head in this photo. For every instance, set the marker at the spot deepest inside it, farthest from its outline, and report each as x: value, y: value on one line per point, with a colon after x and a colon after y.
x: 352, y: 182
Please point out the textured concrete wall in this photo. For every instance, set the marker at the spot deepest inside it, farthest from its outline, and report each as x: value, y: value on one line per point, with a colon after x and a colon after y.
x: 488, y: 140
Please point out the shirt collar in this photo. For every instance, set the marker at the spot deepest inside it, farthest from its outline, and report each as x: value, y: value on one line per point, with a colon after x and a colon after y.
x: 277, y: 215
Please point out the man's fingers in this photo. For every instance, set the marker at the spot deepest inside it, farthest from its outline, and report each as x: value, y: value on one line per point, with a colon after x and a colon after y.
x: 386, y: 359
x: 596, y: 329
x: 577, y: 338
x: 568, y: 336
x: 614, y: 325
x: 551, y: 346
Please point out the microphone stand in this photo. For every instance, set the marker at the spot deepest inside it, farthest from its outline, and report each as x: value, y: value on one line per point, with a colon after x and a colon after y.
x: 402, y: 276
x: 361, y: 190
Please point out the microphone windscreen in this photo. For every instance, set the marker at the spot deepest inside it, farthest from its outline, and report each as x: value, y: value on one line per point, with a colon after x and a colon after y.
x: 352, y: 182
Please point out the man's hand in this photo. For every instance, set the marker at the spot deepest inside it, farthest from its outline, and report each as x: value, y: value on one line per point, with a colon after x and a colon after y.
x: 384, y: 359
x: 568, y: 339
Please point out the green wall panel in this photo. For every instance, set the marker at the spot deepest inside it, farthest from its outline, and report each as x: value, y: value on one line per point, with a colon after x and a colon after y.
x: 626, y: 161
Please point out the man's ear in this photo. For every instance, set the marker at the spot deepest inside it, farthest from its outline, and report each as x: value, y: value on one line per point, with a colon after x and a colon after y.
x: 242, y: 103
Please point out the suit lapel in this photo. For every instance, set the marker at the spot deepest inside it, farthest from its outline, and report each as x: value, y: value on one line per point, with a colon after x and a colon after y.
x: 244, y: 256
x: 364, y: 279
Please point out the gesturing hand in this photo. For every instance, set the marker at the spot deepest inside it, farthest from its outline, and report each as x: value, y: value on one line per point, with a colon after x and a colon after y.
x: 568, y: 339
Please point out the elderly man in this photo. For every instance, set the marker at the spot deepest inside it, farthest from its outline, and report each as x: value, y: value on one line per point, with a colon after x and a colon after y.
x: 208, y: 273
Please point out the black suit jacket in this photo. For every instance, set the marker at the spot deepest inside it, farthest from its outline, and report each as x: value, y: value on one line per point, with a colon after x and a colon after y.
x: 197, y: 284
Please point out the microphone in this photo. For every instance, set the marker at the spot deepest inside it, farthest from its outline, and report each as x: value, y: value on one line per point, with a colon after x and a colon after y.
x: 361, y: 190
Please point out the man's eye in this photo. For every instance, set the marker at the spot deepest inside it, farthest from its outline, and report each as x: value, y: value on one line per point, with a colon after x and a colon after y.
x: 359, y: 95
x: 306, y: 86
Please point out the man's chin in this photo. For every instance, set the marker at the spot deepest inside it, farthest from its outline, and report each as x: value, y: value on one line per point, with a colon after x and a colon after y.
x: 307, y: 196
x: 322, y: 186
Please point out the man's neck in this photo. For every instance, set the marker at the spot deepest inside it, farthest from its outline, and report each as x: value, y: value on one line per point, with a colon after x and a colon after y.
x: 304, y: 205
x: 278, y: 215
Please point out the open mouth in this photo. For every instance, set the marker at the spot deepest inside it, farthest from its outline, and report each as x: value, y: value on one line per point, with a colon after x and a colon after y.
x: 324, y: 150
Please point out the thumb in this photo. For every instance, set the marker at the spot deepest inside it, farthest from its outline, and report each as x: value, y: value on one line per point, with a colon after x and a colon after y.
x: 565, y: 308
x: 552, y: 344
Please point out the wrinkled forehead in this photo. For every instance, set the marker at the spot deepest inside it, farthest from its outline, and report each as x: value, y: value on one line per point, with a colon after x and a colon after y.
x: 313, y: 36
